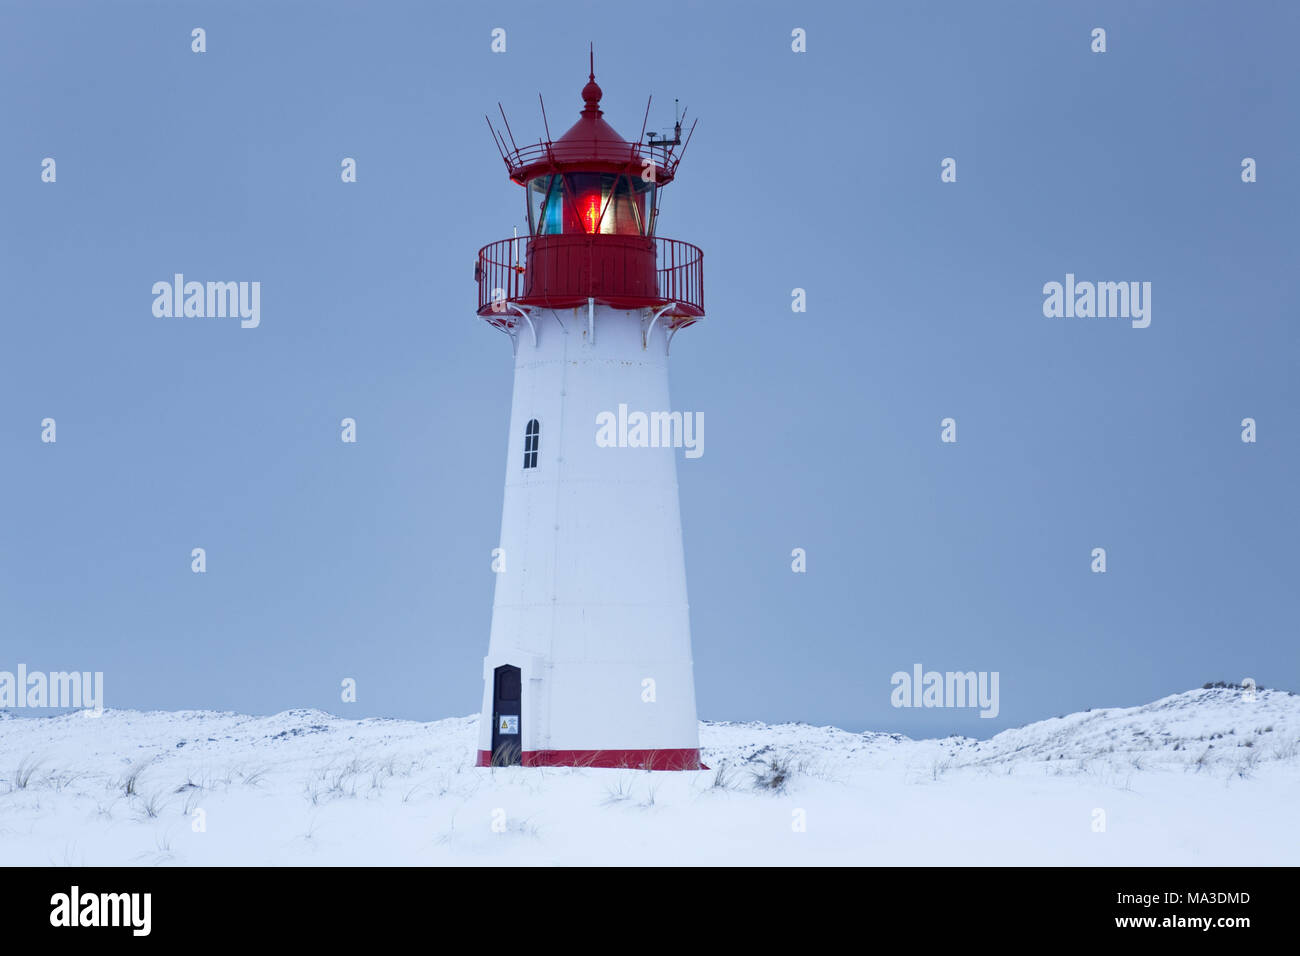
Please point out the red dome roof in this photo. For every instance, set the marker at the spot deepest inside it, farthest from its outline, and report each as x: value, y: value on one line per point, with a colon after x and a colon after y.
x: 590, y: 144
x: 591, y: 139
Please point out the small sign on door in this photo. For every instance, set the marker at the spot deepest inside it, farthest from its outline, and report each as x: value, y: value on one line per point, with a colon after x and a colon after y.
x: 508, y: 724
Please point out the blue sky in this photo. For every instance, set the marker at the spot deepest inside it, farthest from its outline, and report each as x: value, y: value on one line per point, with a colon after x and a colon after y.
x: 817, y: 170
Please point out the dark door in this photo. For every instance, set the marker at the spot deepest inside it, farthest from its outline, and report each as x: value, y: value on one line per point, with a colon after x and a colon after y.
x: 507, y: 694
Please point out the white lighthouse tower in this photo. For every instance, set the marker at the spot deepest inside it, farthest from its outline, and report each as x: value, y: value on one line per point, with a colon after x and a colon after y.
x: 589, y: 659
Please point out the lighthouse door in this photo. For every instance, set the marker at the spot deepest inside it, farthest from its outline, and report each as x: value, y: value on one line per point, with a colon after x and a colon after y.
x: 507, y: 694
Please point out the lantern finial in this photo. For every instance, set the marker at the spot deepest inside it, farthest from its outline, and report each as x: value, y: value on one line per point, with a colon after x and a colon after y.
x: 591, y: 93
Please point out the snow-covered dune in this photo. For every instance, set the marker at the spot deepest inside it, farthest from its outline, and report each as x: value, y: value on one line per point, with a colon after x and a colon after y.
x: 1205, y: 777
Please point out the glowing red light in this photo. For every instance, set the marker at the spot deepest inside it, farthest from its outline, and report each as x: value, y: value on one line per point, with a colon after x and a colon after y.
x: 591, y: 212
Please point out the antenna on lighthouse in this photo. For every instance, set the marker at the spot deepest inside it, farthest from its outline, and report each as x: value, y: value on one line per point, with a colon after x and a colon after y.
x: 507, y: 122
x: 661, y: 139
x: 545, y: 125
x: 646, y: 118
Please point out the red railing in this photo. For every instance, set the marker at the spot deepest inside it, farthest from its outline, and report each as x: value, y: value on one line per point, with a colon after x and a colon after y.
x: 567, y: 270
x: 554, y: 157
x: 681, y: 274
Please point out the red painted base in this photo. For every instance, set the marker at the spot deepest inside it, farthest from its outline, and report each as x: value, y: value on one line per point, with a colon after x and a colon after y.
x: 688, y: 759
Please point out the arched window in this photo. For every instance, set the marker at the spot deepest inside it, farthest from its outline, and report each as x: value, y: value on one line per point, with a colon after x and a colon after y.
x: 531, y: 436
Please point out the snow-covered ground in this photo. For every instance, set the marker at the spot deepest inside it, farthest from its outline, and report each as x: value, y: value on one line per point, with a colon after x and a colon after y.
x: 1203, y: 777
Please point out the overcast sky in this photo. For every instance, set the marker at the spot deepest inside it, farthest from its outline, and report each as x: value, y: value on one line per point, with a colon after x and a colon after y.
x: 817, y: 170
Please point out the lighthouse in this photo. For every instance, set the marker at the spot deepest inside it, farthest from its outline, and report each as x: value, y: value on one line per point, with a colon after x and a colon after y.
x: 589, y: 655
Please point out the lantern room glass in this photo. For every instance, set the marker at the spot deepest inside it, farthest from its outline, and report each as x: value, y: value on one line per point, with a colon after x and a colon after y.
x: 590, y: 203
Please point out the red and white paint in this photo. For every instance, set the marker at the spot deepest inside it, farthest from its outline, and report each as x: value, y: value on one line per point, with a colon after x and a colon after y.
x: 591, y: 601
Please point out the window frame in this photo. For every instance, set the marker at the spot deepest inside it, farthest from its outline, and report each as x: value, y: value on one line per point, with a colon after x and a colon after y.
x: 532, y: 443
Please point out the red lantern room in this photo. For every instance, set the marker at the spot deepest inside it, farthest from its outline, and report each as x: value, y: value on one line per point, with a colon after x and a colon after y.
x: 592, y: 203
